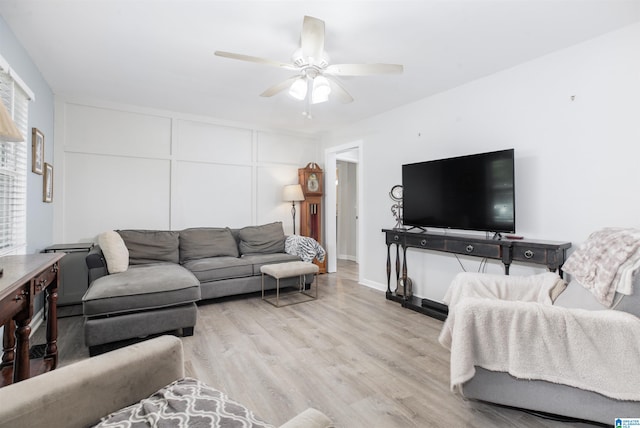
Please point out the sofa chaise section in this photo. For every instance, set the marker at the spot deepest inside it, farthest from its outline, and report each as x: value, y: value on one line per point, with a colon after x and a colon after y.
x: 144, y: 300
x: 152, y: 296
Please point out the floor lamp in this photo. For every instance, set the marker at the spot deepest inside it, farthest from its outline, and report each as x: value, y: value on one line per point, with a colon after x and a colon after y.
x: 293, y: 193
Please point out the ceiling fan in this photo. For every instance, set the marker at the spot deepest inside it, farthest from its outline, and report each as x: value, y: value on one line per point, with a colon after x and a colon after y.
x: 315, y: 78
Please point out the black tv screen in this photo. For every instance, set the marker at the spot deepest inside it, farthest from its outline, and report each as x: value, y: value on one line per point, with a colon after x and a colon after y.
x: 474, y: 192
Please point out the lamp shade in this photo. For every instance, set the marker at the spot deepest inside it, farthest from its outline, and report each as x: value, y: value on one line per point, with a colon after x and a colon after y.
x: 299, y: 89
x: 293, y: 193
x: 8, y: 129
x: 321, y: 90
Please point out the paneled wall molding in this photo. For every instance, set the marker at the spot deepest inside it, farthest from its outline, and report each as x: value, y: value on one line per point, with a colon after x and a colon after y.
x: 131, y: 167
x: 148, y: 111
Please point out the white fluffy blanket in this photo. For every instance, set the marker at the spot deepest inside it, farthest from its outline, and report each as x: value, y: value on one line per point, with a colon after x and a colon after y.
x: 592, y: 350
x: 542, y: 288
x: 604, y: 263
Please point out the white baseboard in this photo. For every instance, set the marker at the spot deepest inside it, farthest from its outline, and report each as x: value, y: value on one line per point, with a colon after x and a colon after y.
x: 347, y: 257
x: 374, y: 285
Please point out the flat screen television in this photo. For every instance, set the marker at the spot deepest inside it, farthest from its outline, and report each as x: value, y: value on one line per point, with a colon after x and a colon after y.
x: 474, y: 192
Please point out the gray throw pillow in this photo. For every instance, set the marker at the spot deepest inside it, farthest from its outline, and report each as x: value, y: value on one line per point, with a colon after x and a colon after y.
x: 151, y: 246
x: 202, y: 242
x: 264, y: 239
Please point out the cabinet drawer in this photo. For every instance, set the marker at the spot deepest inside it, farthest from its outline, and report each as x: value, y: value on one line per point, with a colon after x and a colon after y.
x: 475, y: 249
x: 427, y: 242
x: 533, y: 255
x: 394, y: 238
x: 43, y: 280
x: 14, y: 303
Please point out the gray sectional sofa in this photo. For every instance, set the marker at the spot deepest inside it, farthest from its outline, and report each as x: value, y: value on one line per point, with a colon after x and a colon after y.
x: 168, y: 272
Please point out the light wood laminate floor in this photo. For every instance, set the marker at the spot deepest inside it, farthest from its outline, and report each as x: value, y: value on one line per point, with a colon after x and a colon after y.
x: 362, y: 360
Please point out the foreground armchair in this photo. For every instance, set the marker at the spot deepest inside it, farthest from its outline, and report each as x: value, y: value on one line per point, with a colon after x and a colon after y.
x: 80, y: 394
x: 527, y: 342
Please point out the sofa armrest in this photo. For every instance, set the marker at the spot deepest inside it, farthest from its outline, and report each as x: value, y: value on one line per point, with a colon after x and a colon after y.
x: 310, y: 418
x: 96, y: 263
x: 78, y: 395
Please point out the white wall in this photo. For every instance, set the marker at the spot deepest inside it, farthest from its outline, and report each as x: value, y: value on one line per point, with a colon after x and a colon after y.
x: 39, y: 214
x: 572, y: 117
x: 128, y: 167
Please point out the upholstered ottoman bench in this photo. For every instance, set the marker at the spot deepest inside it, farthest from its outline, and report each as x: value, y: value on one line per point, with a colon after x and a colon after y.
x: 279, y: 271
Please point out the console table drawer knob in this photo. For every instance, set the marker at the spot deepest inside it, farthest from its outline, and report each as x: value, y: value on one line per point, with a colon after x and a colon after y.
x: 528, y: 254
x: 469, y: 248
x: 423, y: 242
x: 396, y: 238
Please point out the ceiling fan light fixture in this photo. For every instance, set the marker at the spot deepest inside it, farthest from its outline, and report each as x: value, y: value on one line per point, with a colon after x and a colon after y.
x: 300, y: 60
x: 311, y: 62
x: 321, y: 90
x: 298, y: 89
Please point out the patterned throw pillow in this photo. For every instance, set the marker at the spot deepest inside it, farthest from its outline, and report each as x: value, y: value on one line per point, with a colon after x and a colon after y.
x: 184, y: 403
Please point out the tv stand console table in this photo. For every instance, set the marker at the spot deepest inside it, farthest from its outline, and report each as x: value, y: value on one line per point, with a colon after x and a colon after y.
x: 551, y: 254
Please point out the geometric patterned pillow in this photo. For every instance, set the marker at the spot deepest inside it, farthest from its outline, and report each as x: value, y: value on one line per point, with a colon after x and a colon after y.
x: 184, y: 403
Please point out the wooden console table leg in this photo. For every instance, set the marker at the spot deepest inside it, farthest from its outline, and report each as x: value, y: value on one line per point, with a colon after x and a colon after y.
x: 51, y: 351
x: 8, y: 344
x: 397, y: 265
x: 389, y: 268
x: 404, y: 272
x: 21, y: 364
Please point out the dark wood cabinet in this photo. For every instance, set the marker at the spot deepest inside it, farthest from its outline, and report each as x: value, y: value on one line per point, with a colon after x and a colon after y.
x: 25, y: 277
x: 311, y: 180
x: 551, y: 254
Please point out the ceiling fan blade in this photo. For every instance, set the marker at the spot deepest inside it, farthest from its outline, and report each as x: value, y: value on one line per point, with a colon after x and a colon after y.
x: 339, y: 91
x: 363, y: 69
x: 279, y: 87
x: 256, y: 59
x: 312, y: 37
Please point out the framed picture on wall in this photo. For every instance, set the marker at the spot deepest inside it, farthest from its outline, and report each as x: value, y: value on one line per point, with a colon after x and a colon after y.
x: 47, y: 188
x: 37, y: 151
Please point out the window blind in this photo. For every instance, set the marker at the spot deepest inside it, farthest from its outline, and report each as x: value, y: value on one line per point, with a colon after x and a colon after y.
x: 13, y: 170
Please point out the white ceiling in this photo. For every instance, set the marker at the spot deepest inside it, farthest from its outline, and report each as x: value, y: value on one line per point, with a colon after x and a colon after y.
x: 159, y: 53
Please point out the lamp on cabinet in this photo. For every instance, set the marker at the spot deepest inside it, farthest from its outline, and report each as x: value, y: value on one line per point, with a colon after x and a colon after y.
x: 293, y: 193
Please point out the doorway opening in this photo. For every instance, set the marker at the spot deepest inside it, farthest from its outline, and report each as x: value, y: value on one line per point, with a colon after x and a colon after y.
x: 344, y: 207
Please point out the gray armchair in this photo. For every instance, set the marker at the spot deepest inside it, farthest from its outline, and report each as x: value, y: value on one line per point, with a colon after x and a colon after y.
x: 80, y: 394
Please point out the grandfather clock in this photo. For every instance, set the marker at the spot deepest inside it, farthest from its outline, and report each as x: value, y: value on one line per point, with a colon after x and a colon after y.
x: 311, y: 180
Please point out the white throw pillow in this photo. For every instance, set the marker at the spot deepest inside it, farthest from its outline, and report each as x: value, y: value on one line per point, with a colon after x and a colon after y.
x: 115, y: 251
